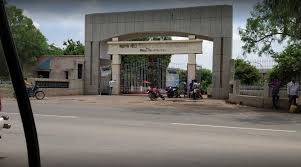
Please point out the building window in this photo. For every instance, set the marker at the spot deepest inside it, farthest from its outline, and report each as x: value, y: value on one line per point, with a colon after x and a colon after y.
x: 43, y: 74
x: 66, y: 74
x: 79, y: 71
x: 52, y: 84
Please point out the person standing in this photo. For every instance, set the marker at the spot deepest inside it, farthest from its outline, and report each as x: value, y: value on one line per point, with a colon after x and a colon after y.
x: 275, y: 86
x: 292, y: 91
x: 111, y: 84
x: 190, y: 87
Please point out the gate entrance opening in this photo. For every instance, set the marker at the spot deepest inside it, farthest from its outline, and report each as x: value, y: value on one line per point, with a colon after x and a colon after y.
x: 129, y: 76
x: 152, y: 68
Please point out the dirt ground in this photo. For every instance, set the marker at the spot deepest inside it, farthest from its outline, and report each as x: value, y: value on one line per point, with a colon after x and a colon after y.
x: 140, y: 101
x: 132, y: 102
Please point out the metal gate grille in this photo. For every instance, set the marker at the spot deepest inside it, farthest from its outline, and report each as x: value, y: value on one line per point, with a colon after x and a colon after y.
x: 138, y: 70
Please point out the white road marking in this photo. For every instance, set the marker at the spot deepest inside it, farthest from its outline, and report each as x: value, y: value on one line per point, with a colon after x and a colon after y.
x: 234, y: 127
x: 46, y: 115
x: 59, y: 116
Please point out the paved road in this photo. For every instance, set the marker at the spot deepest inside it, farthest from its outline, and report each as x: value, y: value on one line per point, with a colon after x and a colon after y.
x: 78, y: 132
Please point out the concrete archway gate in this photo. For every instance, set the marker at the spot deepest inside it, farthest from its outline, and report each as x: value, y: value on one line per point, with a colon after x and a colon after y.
x: 212, y: 23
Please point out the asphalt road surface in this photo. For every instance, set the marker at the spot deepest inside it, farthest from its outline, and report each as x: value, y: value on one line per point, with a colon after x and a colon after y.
x: 106, y: 131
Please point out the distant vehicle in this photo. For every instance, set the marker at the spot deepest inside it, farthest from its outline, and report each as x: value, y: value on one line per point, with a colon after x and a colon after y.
x: 36, y: 92
x: 3, y: 118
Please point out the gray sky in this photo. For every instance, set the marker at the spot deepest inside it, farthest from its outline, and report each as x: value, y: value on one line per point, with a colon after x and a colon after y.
x: 62, y: 19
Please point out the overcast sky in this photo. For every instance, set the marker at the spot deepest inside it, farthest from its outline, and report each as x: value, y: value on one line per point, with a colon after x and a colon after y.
x: 59, y: 20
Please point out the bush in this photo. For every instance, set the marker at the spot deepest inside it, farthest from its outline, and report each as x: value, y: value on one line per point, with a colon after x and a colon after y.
x: 246, y: 73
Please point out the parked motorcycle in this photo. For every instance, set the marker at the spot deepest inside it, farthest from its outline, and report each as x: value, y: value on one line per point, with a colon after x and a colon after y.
x: 154, y: 94
x: 172, y: 92
x: 3, y: 118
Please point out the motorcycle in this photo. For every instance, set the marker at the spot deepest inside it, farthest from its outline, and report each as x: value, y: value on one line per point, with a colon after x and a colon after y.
x: 3, y: 118
x: 195, y: 92
x: 4, y: 125
x: 154, y: 94
x: 36, y: 92
x: 172, y: 92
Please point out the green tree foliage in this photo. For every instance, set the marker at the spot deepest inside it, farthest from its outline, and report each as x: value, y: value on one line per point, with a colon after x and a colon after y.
x: 272, y: 21
x: 54, y: 50
x: 30, y: 42
x: 245, y: 72
x: 182, y: 75
x: 73, y: 48
x: 288, y: 64
x: 182, y: 78
x: 206, y: 78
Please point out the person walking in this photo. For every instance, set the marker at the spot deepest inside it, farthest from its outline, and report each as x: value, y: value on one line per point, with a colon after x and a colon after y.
x: 275, y: 86
x: 292, y: 91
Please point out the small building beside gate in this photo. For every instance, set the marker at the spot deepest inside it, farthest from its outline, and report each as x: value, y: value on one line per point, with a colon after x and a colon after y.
x: 59, y: 75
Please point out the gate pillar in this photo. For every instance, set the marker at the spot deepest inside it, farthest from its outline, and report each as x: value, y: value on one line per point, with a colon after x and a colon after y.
x: 116, y: 66
x: 222, y: 53
x: 191, y: 67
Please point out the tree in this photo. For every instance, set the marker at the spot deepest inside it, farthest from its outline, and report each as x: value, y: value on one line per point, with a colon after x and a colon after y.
x: 206, y: 78
x: 272, y: 21
x: 30, y: 42
x: 73, y: 48
x: 54, y: 50
x: 245, y: 72
x: 182, y: 75
x: 288, y: 64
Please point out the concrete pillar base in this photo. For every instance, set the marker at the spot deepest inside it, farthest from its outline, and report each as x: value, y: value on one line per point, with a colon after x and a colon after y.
x: 116, y: 67
x: 219, y: 93
x: 190, y: 74
x: 116, y: 78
